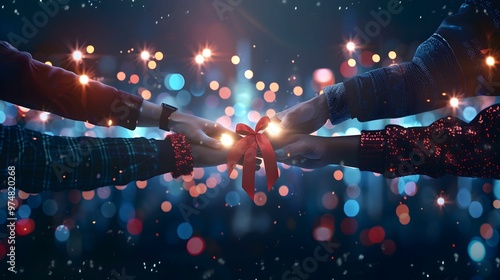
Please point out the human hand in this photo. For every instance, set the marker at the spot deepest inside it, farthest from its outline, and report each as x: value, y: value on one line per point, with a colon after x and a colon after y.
x: 305, y: 117
x: 199, y: 131
x: 310, y: 151
x: 204, y: 156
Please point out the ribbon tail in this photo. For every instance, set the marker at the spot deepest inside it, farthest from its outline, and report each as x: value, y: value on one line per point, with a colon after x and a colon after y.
x: 270, y: 164
x: 249, y: 170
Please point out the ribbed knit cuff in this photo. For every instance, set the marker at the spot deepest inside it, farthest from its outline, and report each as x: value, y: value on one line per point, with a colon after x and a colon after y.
x: 371, y: 151
x: 183, y: 155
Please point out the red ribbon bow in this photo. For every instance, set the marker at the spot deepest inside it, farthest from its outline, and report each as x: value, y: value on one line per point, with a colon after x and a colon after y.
x: 247, y: 147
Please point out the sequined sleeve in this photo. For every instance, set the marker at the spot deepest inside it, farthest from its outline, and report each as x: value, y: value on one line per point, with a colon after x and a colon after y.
x: 447, y: 146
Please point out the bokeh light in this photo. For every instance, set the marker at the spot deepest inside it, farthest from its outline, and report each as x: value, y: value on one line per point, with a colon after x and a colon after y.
x: 90, y: 49
x: 235, y: 60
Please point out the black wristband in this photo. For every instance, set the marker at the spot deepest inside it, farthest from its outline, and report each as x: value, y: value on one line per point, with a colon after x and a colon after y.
x: 166, y: 111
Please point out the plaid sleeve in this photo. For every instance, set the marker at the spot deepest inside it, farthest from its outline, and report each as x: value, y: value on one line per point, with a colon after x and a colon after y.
x: 56, y: 163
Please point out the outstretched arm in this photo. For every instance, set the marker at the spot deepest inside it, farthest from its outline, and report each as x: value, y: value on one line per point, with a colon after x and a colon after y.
x: 33, y: 84
x: 448, y: 146
x: 43, y: 162
x: 451, y: 62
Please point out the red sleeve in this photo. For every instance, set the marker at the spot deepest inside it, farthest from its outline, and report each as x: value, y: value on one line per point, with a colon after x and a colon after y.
x: 447, y: 146
x: 33, y: 84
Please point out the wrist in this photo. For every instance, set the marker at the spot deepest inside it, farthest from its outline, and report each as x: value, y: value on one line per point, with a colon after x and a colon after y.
x: 337, y: 106
x: 166, y: 116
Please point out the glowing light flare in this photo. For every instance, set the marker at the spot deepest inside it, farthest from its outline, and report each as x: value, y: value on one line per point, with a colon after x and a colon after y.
x: 84, y: 79
x: 206, y: 53
x: 350, y: 46
x: 44, y: 116
x: 490, y: 61
x: 77, y: 55
x: 199, y: 59
x: 145, y: 55
x: 48, y: 63
x: 454, y: 102
x: 273, y: 129
x: 227, y: 140
x: 440, y: 201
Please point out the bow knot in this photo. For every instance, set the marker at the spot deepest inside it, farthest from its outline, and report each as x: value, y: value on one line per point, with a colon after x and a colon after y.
x: 247, y: 148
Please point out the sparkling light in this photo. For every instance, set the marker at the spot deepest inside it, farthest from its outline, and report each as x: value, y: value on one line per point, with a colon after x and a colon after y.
x: 350, y: 46
x: 48, y: 63
x: 84, y: 79
x: 145, y: 55
x: 77, y: 56
x: 490, y: 61
x: 206, y: 53
x: 199, y: 59
x: 273, y: 129
x: 440, y: 201
x: 226, y: 140
x: 454, y: 102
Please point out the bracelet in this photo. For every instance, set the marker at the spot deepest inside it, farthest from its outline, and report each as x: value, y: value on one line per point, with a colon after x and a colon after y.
x: 183, y: 155
x: 166, y: 111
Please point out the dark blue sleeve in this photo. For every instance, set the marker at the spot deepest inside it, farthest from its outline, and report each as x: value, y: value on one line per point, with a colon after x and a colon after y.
x: 450, y: 63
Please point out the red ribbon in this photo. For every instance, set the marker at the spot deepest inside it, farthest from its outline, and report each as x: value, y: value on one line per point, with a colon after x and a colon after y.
x: 247, y: 148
